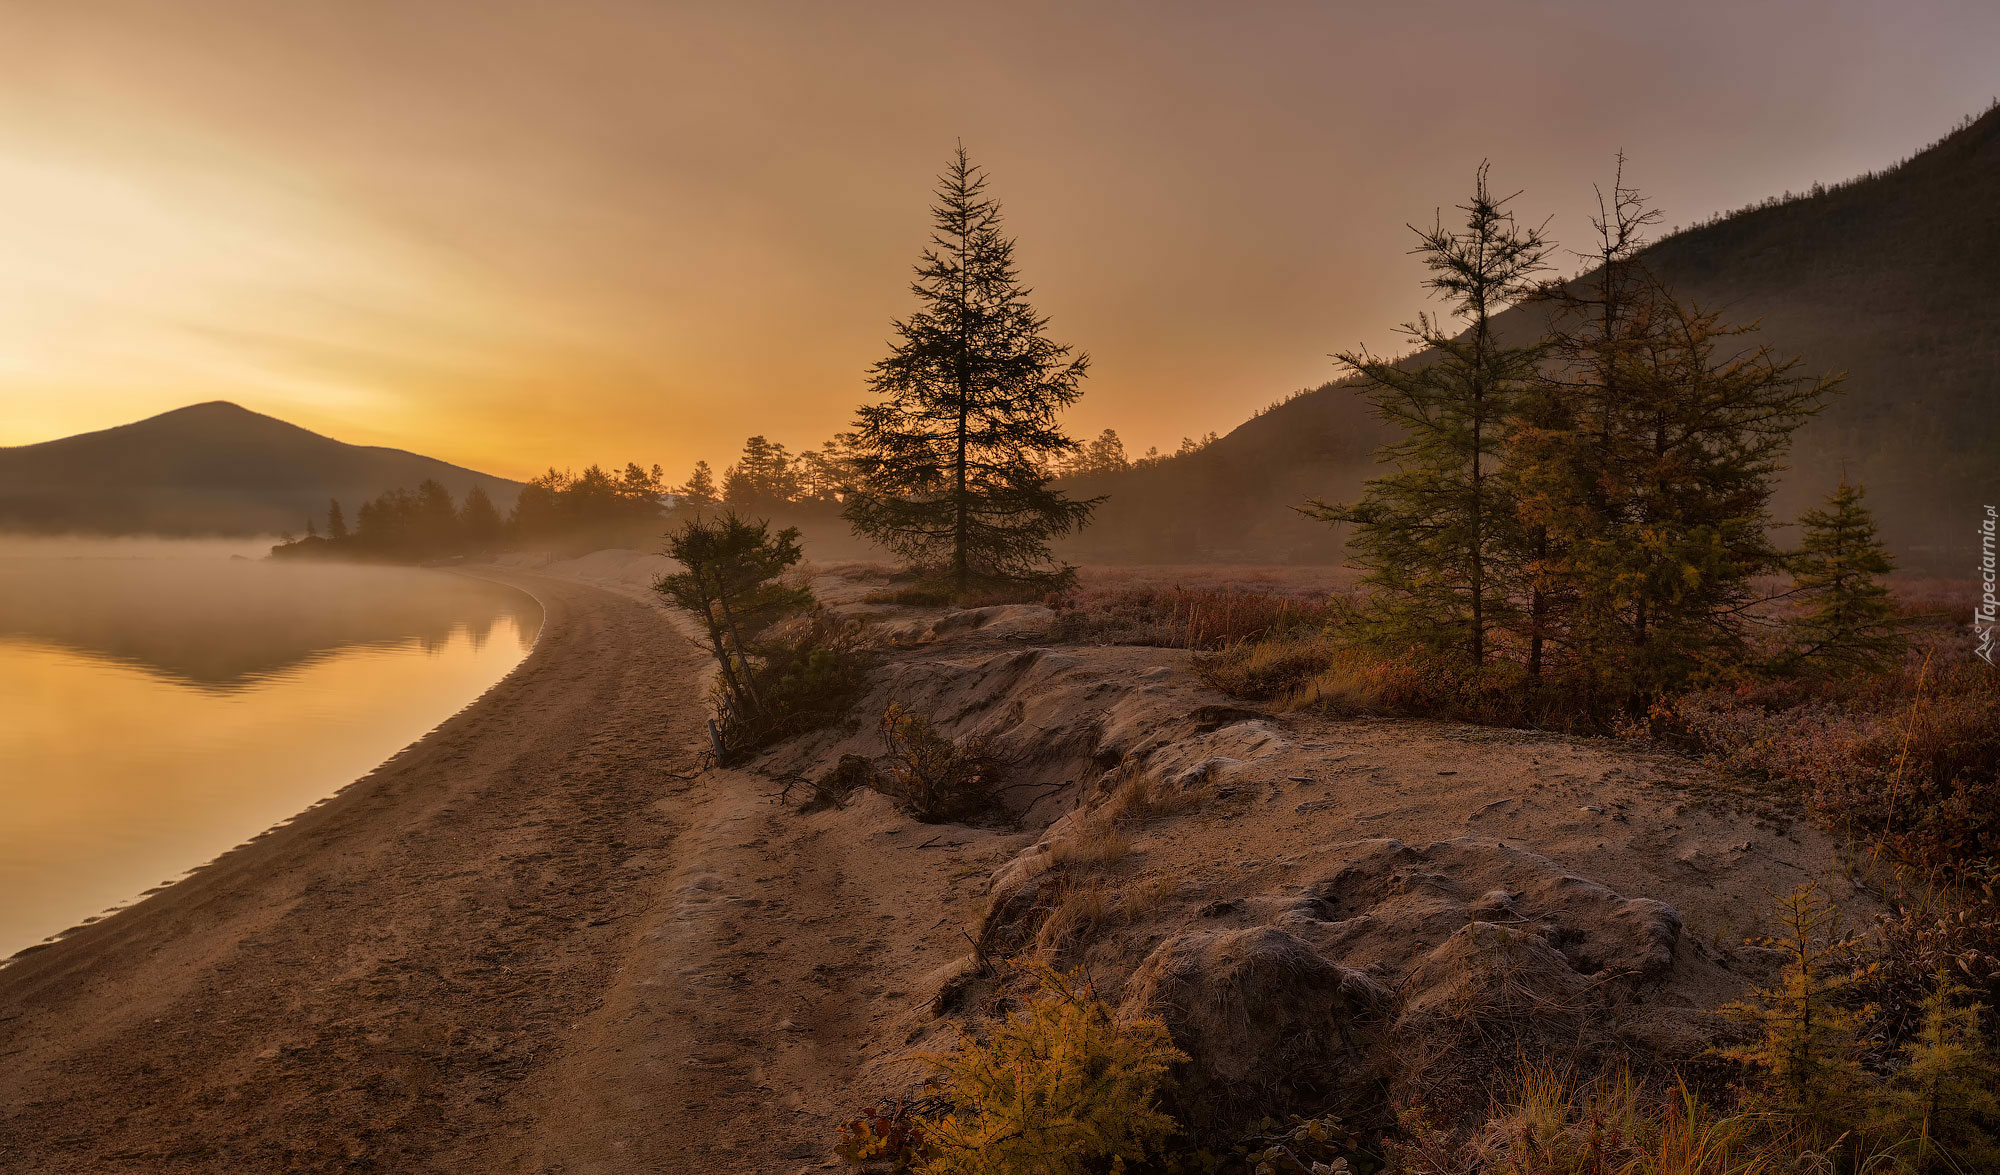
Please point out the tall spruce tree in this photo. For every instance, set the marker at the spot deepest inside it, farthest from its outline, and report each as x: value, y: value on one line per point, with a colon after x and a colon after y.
x: 1846, y: 622
x: 953, y: 459
x: 1434, y: 535
x: 1652, y: 479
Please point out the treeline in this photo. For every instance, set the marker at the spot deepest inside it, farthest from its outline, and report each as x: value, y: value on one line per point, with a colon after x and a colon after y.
x: 558, y: 508
x: 767, y: 475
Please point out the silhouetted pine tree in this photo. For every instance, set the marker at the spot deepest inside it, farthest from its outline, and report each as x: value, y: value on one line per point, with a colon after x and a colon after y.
x: 1435, y: 535
x: 336, y: 521
x: 699, y: 489
x: 478, y: 521
x: 1846, y: 621
x: 765, y: 476
x: 953, y: 459
x: 434, y: 525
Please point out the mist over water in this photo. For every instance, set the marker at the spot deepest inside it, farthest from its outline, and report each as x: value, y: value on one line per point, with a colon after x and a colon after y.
x: 163, y: 702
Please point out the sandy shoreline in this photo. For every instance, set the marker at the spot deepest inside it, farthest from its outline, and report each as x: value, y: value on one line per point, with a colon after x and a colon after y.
x: 383, y: 982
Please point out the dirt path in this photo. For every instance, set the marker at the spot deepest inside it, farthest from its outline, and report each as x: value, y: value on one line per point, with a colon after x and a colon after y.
x: 387, y: 983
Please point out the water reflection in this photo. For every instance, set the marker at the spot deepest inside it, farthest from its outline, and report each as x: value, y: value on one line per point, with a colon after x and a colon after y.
x: 230, y: 624
x: 155, y: 712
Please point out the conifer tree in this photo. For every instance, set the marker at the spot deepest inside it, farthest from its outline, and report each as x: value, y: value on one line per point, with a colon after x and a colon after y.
x: 730, y: 582
x: 766, y: 475
x: 1806, y: 1057
x: 1944, y: 1098
x: 1846, y: 621
x: 1433, y: 534
x: 433, y: 525
x: 699, y: 489
x: 478, y: 521
x: 953, y: 456
x: 336, y: 521
x: 1650, y: 474
x: 1095, y: 458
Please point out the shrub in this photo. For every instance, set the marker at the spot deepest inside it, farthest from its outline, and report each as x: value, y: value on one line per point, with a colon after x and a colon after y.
x: 1327, y: 673
x: 1063, y: 1089
x: 932, y: 777
x: 891, y: 1133
x: 1943, y: 1099
x: 803, y: 673
x: 1909, y: 759
x: 1805, y: 1059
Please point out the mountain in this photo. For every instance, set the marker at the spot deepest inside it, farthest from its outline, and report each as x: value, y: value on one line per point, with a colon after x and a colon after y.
x: 212, y: 468
x: 1893, y: 277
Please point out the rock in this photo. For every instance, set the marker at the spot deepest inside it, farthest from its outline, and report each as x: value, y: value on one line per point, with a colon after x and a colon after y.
x: 1270, y: 1026
x: 1387, y: 895
x: 1487, y: 975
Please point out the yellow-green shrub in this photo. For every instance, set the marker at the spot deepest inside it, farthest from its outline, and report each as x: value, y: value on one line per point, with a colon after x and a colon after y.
x: 1062, y: 1089
x: 1943, y: 1101
x: 1805, y: 1059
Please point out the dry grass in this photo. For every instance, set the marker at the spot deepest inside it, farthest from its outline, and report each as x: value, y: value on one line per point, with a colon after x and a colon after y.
x: 1909, y: 760
x: 1197, y: 608
x: 1083, y: 909
x: 1094, y: 844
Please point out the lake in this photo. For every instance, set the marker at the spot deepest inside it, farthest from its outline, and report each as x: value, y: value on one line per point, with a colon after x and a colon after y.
x: 161, y: 703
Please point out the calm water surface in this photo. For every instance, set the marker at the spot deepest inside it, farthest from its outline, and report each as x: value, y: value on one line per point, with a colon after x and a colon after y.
x: 160, y: 704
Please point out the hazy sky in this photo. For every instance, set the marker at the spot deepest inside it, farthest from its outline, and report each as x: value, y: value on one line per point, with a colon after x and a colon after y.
x: 512, y: 234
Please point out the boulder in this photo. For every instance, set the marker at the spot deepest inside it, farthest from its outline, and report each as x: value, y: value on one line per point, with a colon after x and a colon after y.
x: 1270, y: 1026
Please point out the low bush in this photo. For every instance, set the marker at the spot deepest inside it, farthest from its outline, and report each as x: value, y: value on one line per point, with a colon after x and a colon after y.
x: 1063, y: 1088
x: 801, y: 674
x: 932, y: 777
x: 1325, y: 673
x: 937, y: 591
x: 1909, y: 759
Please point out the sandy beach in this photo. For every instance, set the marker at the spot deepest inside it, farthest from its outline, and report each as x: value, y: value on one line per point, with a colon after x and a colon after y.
x: 536, y: 941
x: 388, y: 982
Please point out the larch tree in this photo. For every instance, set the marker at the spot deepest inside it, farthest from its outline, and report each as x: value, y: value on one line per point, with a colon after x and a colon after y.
x: 1555, y: 473
x: 1653, y: 483
x: 953, y: 458
x: 1433, y: 534
x: 1102, y: 455
x: 1846, y: 622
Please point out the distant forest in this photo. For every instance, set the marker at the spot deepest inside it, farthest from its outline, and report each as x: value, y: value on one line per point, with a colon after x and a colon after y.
x: 566, y: 511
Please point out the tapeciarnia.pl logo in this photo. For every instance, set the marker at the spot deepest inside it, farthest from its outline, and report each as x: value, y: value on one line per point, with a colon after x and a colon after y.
x: 1984, y: 613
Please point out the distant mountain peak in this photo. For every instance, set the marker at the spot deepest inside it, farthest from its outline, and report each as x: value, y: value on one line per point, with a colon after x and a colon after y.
x: 214, y: 467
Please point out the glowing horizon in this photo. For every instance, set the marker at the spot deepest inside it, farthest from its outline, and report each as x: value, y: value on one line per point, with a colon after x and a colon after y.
x: 510, y: 236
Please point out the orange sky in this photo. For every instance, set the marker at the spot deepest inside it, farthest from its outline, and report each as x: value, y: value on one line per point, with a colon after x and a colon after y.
x: 512, y: 234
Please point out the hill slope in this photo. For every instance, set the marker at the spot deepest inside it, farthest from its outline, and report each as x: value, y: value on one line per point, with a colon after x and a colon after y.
x: 210, y: 468
x: 1894, y: 278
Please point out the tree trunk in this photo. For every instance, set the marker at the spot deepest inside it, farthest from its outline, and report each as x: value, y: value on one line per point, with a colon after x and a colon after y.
x: 736, y: 637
